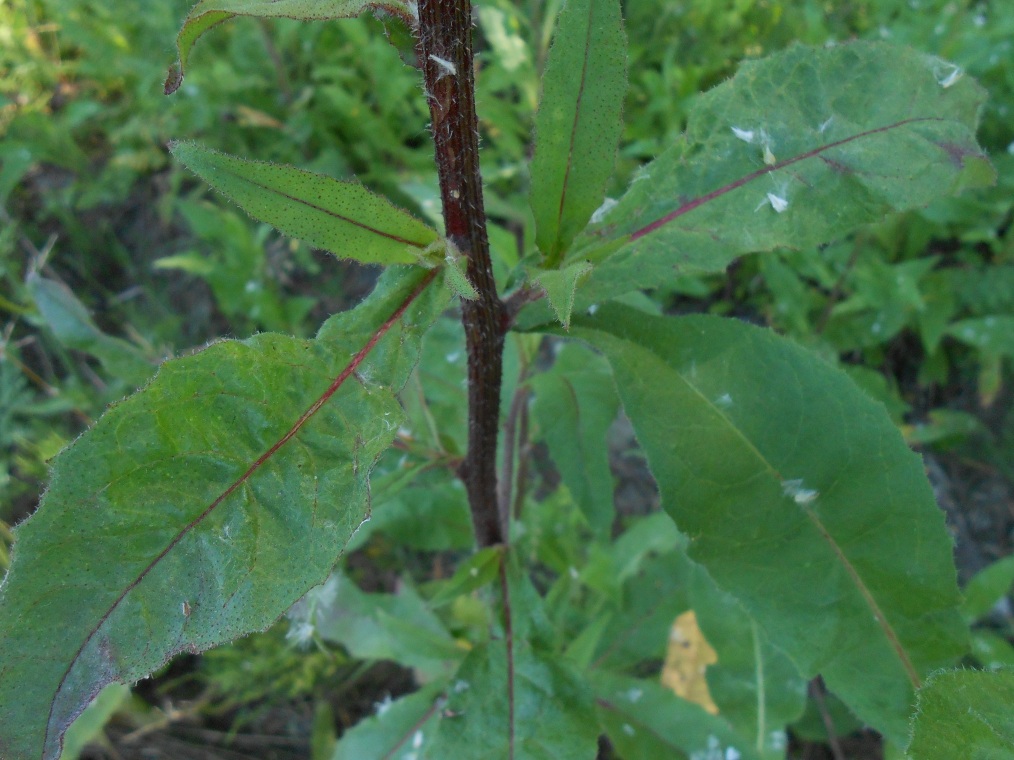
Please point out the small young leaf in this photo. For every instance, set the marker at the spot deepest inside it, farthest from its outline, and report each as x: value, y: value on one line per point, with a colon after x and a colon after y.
x: 457, y: 279
x: 579, y: 122
x: 342, y: 217
x: 855, y: 130
x: 170, y: 525
x: 560, y: 286
x: 794, y: 488
x: 209, y: 13
x: 965, y: 713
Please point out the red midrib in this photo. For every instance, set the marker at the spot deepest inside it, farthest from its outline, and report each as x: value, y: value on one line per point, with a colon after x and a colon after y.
x: 303, y: 419
x: 701, y: 200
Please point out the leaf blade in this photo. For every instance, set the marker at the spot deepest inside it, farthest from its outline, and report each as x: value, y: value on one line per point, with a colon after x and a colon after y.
x: 774, y: 490
x: 579, y: 122
x: 796, y: 150
x: 209, y: 13
x: 180, y: 540
x: 342, y: 217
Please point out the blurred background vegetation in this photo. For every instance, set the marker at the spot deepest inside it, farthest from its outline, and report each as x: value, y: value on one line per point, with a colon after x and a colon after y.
x: 112, y: 258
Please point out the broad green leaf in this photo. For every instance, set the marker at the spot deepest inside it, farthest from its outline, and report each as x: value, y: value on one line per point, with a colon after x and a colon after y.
x: 799, y: 497
x: 70, y: 322
x: 575, y: 404
x: 535, y: 709
x: 404, y: 724
x: 797, y: 149
x: 645, y: 721
x: 398, y: 627
x: 342, y: 217
x: 967, y: 714
x: 579, y: 122
x: 172, y: 524
x: 209, y: 13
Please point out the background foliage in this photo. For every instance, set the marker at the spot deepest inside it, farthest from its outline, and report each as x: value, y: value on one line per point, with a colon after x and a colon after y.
x: 112, y: 258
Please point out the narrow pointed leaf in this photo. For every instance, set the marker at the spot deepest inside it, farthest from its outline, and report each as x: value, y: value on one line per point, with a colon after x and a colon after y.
x: 799, y: 497
x: 342, y: 217
x: 965, y: 713
x: 201, y: 508
x: 209, y: 13
x: 579, y: 121
x: 575, y: 404
x: 797, y: 149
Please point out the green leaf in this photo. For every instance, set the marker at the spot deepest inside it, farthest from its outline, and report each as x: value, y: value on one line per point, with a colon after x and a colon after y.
x: 575, y: 404
x: 646, y: 721
x: 560, y: 286
x: 398, y: 627
x: 429, y: 516
x: 755, y: 686
x: 398, y: 725
x: 967, y: 714
x: 536, y: 709
x: 798, y: 495
x: 797, y: 149
x: 170, y: 525
x: 988, y: 587
x: 209, y: 13
x: 475, y: 572
x: 579, y: 122
x: 342, y: 217
x: 992, y: 335
x: 90, y: 723
x: 70, y: 322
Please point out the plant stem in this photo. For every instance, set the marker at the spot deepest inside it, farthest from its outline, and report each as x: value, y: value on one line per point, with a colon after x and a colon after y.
x: 445, y: 57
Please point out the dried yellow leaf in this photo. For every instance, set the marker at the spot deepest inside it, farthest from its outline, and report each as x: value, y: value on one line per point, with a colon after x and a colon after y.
x: 686, y: 660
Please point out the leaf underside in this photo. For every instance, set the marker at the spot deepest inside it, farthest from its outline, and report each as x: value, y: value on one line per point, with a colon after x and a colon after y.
x: 170, y: 526
x: 801, y: 500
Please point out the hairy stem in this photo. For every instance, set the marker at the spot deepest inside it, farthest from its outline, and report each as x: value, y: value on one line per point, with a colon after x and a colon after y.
x: 445, y: 57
